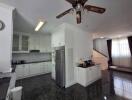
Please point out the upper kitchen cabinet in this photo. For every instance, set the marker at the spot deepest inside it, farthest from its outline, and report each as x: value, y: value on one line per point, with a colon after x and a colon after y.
x: 15, y: 42
x: 24, y: 42
x: 40, y: 42
x: 20, y: 43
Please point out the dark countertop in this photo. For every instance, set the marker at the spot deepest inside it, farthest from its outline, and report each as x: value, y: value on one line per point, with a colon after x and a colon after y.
x: 31, y: 62
x: 4, y: 85
x: 87, y: 66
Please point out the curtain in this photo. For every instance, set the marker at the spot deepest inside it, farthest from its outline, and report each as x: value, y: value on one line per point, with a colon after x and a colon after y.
x: 130, y: 44
x: 121, y: 55
x: 109, y: 45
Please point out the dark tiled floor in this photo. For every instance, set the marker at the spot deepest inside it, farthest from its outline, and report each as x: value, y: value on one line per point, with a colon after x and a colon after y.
x: 113, y: 85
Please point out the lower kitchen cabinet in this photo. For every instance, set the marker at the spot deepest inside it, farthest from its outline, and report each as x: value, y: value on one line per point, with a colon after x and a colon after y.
x: 19, y: 71
x: 86, y: 76
x: 34, y: 68
x: 28, y: 70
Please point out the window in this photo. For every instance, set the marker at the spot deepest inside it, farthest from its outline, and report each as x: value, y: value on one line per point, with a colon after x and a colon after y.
x: 121, y: 55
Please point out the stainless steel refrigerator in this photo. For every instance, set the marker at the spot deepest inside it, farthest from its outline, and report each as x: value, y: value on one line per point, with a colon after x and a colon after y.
x: 60, y: 66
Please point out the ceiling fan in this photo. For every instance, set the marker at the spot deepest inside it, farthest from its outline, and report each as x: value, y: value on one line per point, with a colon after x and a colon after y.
x: 78, y: 6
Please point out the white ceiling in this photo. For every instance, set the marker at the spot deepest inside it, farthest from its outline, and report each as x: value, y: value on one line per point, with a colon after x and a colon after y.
x: 116, y: 20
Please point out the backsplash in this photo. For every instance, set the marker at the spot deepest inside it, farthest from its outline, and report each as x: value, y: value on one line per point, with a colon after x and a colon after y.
x: 30, y: 57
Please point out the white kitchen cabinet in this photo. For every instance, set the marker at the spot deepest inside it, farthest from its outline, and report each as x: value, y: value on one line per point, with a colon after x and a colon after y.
x: 44, y: 67
x: 22, y: 71
x: 41, y: 66
x: 19, y: 71
x: 86, y: 76
x: 48, y: 67
x: 89, y: 75
x: 34, y: 69
x: 93, y: 73
x: 28, y: 70
x: 40, y: 42
x: 20, y: 42
x: 16, y: 39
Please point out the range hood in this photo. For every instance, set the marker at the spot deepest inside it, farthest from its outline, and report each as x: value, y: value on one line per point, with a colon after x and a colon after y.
x: 34, y: 51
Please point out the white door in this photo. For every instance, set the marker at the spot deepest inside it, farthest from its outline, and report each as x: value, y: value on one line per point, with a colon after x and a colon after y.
x: 19, y: 71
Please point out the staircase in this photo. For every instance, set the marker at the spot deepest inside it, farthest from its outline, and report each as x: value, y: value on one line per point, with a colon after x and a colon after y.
x: 101, y: 59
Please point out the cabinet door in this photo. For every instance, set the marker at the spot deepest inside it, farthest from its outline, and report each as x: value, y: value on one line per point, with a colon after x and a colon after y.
x: 45, y: 67
x: 26, y: 70
x: 89, y: 75
x: 42, y: 69
x: 19, y: 71
x: 49, y: 67
x: 25, y: 43
x: 34, y: 69
x: 94, y: 73
x: 15, y: 42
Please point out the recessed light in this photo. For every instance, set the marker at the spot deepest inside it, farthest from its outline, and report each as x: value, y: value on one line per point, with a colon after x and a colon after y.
x: 39, y: 25
x: 102, y: 37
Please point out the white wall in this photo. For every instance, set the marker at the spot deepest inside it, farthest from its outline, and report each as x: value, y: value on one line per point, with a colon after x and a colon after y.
x: 6, y: 38
x: 58, y: 36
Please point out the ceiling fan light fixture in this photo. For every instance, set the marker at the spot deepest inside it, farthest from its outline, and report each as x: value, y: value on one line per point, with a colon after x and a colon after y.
x: 78, y: 7
x: 78, y: 17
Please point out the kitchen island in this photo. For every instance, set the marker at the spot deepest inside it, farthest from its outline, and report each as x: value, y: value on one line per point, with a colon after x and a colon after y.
x: 87, y: 75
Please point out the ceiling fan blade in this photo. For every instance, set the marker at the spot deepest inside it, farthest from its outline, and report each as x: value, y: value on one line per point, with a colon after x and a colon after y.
x: 78, y: 17
x: 71, y: 1
x: 64, y: 13
x: 95, y: 9
x: 84, y: 1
